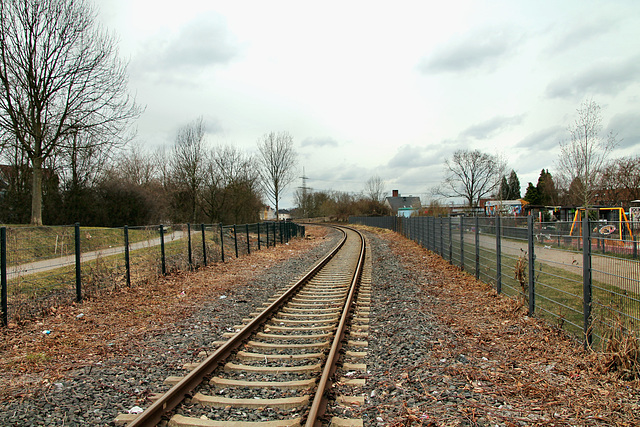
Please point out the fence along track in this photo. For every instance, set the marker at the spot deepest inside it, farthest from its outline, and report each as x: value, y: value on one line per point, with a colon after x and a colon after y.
x: 289, y: 353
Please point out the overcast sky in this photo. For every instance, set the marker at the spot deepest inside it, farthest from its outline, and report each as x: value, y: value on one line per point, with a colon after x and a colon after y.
x: 383, y: 88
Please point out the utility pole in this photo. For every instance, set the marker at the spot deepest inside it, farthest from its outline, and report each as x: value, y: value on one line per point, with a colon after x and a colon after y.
x: 304, y: 188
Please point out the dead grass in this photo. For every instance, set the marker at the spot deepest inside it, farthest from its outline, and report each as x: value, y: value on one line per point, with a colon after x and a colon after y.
x: 536, y: 365
x: 99, y: 327
x: 621, y: 353
x: 520, y: 274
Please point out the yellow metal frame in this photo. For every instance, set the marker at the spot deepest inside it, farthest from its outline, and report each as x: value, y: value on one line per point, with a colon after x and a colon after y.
x: 622, y: 218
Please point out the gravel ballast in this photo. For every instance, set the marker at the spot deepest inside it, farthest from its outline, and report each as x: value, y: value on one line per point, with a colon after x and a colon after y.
x: 136, y: 368
x: 444, y: 350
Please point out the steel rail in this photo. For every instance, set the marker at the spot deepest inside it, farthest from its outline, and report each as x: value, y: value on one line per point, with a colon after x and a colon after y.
x: 176, y: 394
x: 319, y: 405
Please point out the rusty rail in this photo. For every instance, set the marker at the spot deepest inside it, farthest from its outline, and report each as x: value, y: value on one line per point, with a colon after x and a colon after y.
x: 174, y: 396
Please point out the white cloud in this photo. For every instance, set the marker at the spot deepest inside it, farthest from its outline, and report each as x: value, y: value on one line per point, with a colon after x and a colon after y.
x: 606, y: 76
x: 543, y: 140
x: 197, y: 45
x: 581, y: 33
x: 627, y: 128
x: 319, y: 142
x: 411, y: 156
x: 492, y: 127
x: 484, y: 48
x: 389, y: 89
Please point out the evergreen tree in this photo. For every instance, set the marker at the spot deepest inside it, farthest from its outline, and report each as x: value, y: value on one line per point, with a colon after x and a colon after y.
x: 514, y: 186
x: 547, y: 189
x: 532, y: 196
x: 504, y: 189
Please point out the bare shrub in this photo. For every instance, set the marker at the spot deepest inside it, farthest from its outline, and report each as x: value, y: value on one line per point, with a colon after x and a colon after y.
x: 520, y: 274
x: 621, y: 350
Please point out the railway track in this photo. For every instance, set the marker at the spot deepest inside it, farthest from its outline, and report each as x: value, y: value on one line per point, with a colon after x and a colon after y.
x: 278, y: 368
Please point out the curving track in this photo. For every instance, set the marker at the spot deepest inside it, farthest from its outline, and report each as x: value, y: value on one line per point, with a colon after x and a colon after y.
x: 277, y: 369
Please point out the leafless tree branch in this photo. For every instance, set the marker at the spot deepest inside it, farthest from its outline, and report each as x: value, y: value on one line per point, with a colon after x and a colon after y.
x: 60, y: 76
x: 277, y: 158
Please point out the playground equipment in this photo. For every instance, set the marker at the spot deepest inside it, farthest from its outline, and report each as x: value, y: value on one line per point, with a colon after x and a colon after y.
x: 604, y: 229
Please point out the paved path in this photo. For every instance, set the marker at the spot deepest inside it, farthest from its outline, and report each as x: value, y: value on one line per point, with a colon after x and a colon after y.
x: 621, y: 272
x: 53, y: 263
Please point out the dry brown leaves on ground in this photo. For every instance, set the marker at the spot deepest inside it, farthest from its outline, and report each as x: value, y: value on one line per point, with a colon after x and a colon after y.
x: 537, y: 366
x: 81, y: 334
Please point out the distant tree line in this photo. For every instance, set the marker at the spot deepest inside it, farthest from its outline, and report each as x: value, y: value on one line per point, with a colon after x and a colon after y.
x: 65, y: 115
x: 187, y: 182
x: 338, y: 205
x: 617, y: 183
x: 586, y: 175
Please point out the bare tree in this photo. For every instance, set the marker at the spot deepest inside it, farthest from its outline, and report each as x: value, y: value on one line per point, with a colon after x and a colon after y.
x: 132, y: 190
x: 15, y: 173
x: 83, y: 161
x: 620, y: 181
x: 59, y: 76
x: 187, y: 163
x: 231, y: 192
x: 138, y: 167
x: 374, y: 189
x: 277, y: 164
x: 585, y: 154
x: 471, y: 175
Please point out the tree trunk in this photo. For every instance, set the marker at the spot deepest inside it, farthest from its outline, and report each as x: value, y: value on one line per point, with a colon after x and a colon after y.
x: 36, y: 192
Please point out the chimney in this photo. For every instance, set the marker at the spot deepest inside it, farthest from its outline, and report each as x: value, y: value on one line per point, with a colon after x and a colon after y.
x: 395, y: 193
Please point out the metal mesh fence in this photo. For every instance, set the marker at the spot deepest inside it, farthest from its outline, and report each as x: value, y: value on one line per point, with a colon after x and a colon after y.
x: 583, y: 276
x: 34, y: 293
x: 44, y: 267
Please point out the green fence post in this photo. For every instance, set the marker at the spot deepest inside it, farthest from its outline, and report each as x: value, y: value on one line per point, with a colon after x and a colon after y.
x: 450, y: 240
x: 412, y: 227
x: 267, y: 232
x: 127, y: 261
x: 258, y: 236
x: 189, y: 244
x: 222, y: 242
x: 424, y: 232
x: 532, y: 270
x: 78, y: 271
x: 204, y: 246
x: 429, y: 242
x: 246, y: 226
x: 434, y: 242
x: 162, y: 253
x: 462, y: 243
x: 235, y: 238
x: 477, y: 241
x: 274, y: 235
x: 3, y: 275
x: 586, y: 280
x: 498, y: 255
x: 441, y: 237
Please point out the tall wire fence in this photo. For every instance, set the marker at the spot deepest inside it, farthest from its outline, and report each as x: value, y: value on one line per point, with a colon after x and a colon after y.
x: 44, y: 267
x: 583, y: 276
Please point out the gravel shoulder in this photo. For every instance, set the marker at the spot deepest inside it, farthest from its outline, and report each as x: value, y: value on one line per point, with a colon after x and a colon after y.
x: 107, y: 355
x: 444, y: 349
